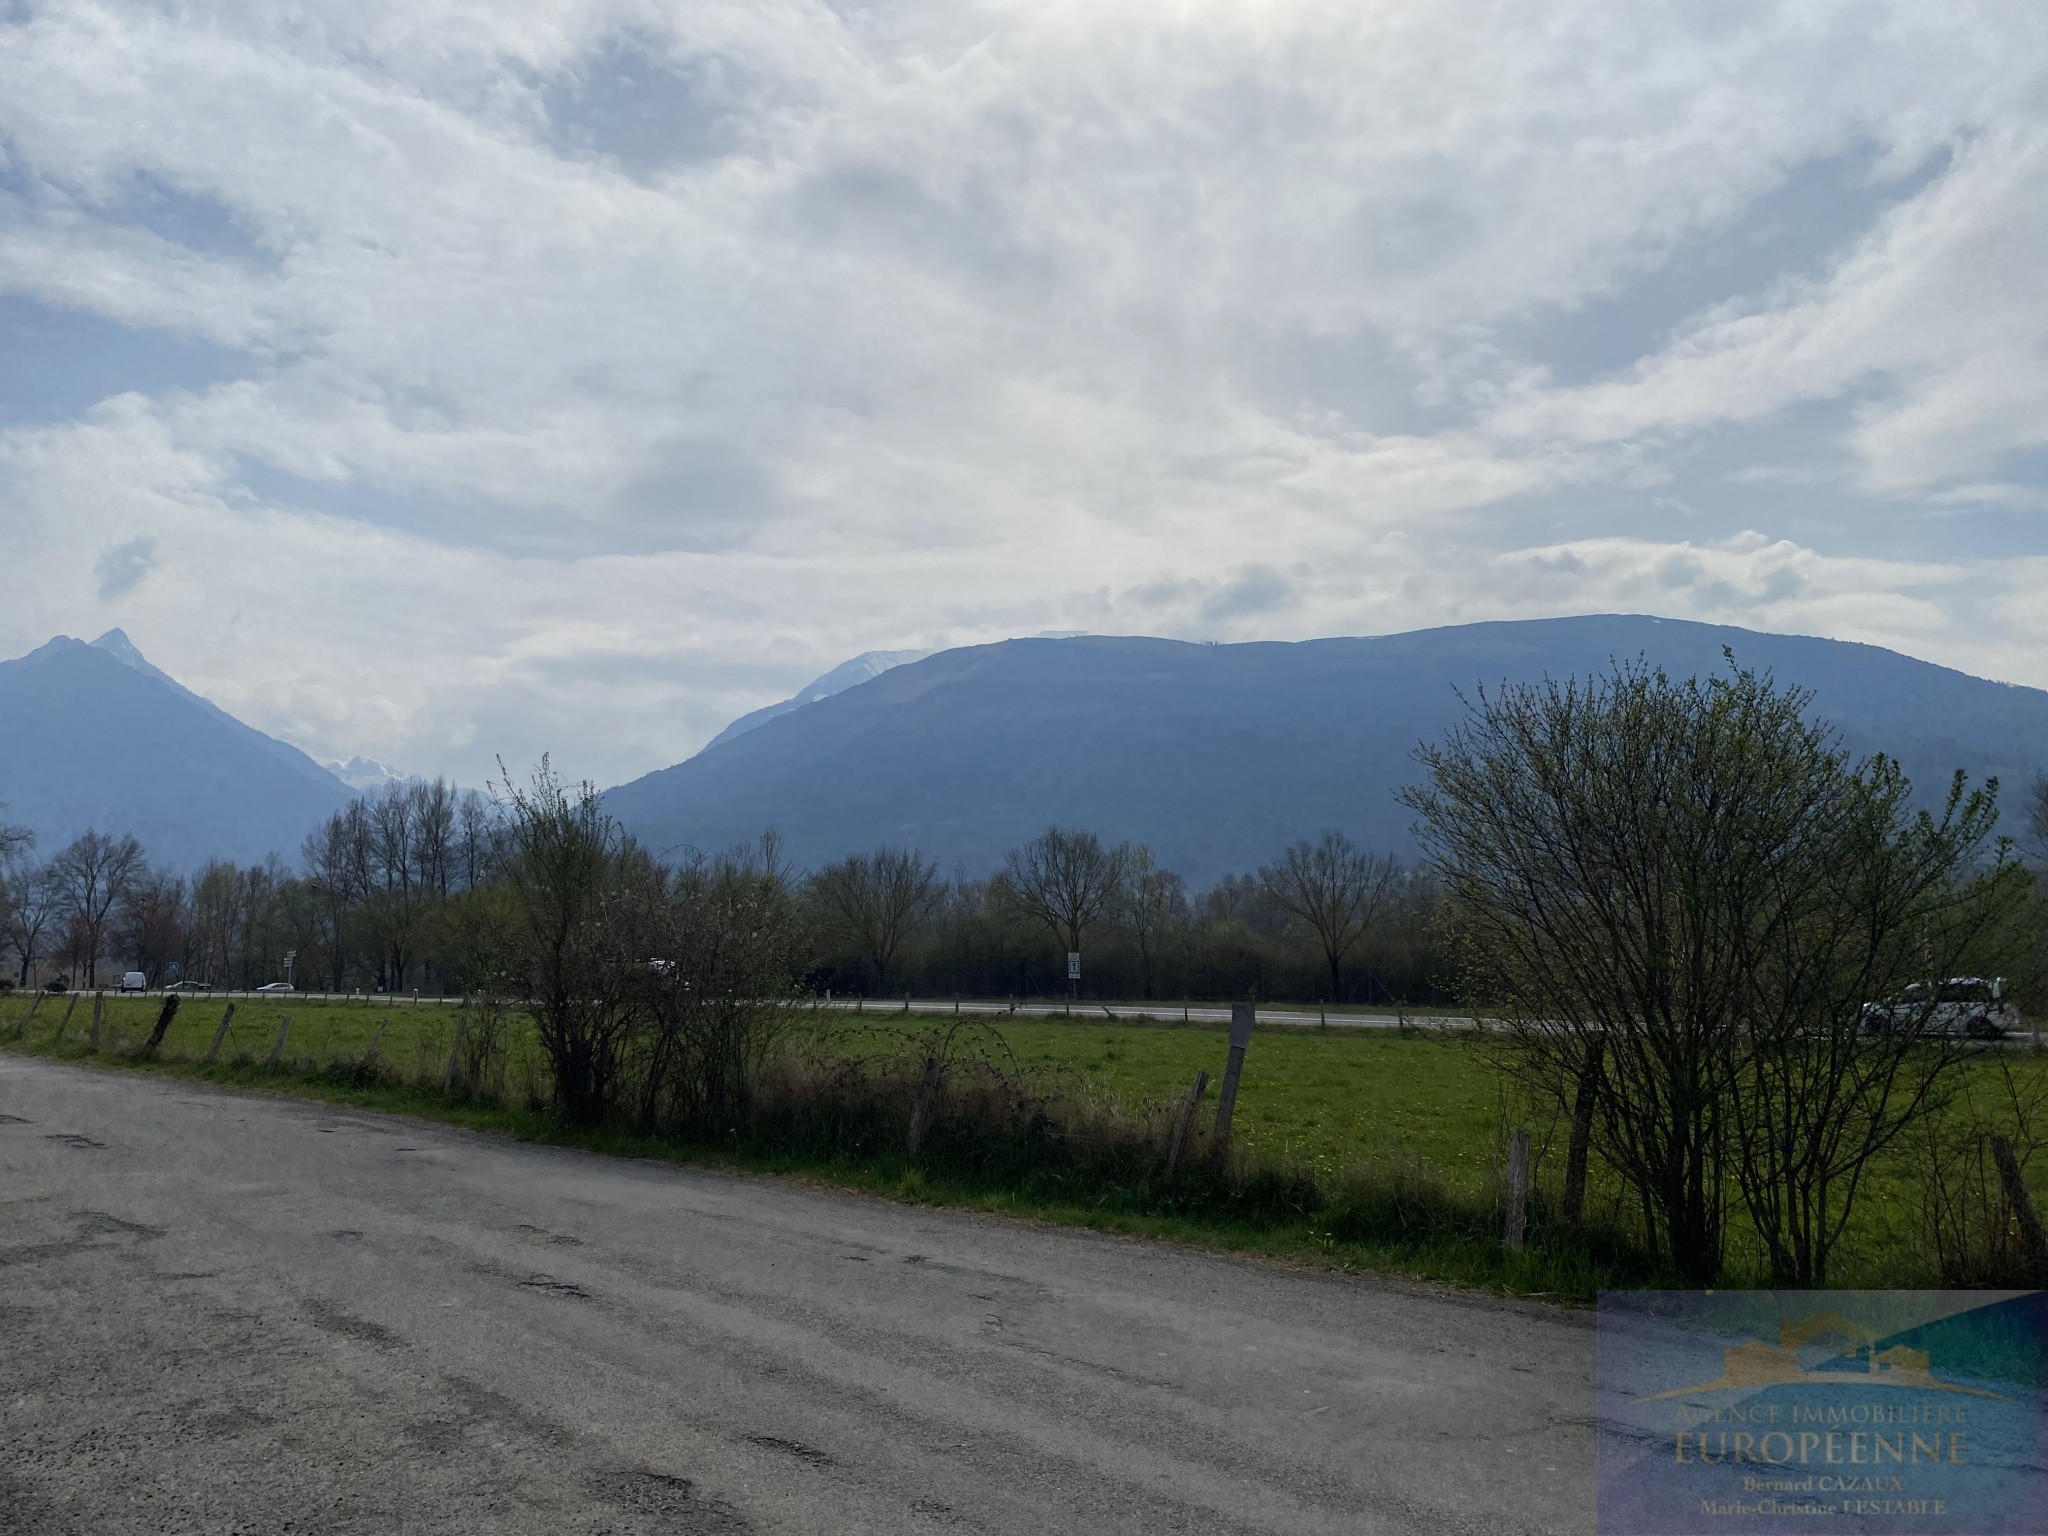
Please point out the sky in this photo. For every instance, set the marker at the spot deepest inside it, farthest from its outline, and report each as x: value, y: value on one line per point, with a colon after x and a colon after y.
x: 441, y: 379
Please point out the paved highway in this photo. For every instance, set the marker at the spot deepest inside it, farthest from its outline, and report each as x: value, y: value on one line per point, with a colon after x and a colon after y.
x: 227, y: 1312
x: 1088, y: 1011
x: 1292, y: 1015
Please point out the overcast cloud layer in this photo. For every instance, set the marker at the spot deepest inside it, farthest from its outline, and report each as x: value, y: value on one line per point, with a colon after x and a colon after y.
x: 451, y: 377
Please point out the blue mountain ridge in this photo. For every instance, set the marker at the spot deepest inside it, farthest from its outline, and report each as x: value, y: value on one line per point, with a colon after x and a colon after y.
x: 97, y: 737
x: 1217, y: 756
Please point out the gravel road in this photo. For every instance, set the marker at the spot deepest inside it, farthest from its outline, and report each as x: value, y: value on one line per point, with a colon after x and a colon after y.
x: 223, y: 1312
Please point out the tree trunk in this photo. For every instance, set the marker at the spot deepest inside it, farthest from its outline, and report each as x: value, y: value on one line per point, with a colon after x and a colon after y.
x: 1583, y: 1104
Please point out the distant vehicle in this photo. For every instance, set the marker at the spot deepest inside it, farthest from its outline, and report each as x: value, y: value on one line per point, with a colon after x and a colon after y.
x: 1964, y: 1007
x: 134, y: 981
x: 188, y: 986
x: 277, y: 986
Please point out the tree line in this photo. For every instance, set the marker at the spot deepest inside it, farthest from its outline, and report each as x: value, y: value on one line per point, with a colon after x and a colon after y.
x: 389, y: 895
x: 374, y: 903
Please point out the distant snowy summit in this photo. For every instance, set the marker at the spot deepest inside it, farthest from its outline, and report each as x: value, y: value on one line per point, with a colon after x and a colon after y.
x: 848, y: 674
x: 362, y: 774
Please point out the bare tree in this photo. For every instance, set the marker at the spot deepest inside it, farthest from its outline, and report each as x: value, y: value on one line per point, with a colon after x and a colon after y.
x: 1148, y: 904
x: 334, y: 858
x: 714, y: 1007
x: 1066, y: 881
x: 476, y: 837
x: 1334, y: 889
x: 875, y: 902
x: 433, y: 835
x: 216, y: 898
x: 153, y: 922
x: 13, y: 840
x: 583, y: 896
x: 2034, y: 836
x: 94, y: 873
x: 29, y: 899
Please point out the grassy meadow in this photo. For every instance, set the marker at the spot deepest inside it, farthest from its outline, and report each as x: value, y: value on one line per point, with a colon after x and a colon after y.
x: 1412, y: 1123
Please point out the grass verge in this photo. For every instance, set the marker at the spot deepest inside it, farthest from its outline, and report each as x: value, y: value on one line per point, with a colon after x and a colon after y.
x: 1385, y: 1212
x: 1374, y: 1151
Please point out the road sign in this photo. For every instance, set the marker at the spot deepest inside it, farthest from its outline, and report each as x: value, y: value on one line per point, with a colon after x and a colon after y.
x: 1073, y: 965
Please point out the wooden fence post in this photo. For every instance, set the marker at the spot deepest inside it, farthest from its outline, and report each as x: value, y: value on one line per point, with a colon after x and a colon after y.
x: 65, y: 1022
x: 454, y: 1054
x: 1518, y: 1191
x: 277, y: 1051
x: 1583, y: 1105
x: 377, y: 1039
x: 164, y: 1015
x: 99, y: 1008
x: 921, y: 1110
x: 1243, y: 1018
x: 1186, y: 1120
x: 227, y: 1017
x: 2021, y: 1199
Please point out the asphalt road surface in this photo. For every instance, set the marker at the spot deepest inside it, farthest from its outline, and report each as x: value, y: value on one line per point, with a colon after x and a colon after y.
x: 1088, y: 1011
x: 1084, y: 1011
x: 230, y: 1313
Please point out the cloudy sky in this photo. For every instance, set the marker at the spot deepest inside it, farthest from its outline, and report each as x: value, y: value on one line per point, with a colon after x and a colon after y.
x: 439, y: 378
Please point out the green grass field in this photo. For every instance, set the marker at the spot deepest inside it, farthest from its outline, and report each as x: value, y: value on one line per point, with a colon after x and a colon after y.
x: 1330, y: 1098
x: 1334, y: 1101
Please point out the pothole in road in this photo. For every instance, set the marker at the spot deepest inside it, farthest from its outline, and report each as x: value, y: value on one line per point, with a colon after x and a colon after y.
x: 331, y: 1319
x: 815, y: 1457
x: 558, y: 1239
x: 554, y: 1287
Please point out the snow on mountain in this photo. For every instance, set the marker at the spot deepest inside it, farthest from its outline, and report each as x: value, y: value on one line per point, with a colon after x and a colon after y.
x: 848, y: 674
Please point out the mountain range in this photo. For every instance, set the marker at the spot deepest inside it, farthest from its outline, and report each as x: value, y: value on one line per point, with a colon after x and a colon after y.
x: 848, y: 674
x: 97, y: 737
x: 1217, y: 756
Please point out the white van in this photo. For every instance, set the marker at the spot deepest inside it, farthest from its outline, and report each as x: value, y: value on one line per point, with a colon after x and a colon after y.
x: 135, y: 981
x: 1970, y: 1007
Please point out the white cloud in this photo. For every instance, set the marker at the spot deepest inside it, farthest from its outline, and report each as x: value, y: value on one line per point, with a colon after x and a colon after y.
x: 926, y: 324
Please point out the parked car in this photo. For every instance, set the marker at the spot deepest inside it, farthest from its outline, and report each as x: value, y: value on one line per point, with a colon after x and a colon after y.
x: 134, y: 981
x: 277, y: 986
x: 1966, y: 1007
